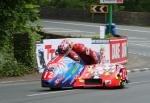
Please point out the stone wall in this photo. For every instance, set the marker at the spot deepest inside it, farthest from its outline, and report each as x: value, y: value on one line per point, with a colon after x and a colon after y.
x: 123, y: 17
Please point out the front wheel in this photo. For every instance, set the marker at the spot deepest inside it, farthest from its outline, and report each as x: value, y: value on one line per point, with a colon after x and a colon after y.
x: 55, y: 89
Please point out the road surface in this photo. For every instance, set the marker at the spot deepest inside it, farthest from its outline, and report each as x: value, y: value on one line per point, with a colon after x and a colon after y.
x: 137, y: 91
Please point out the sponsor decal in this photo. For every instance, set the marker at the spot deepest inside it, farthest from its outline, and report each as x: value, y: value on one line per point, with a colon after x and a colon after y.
x: 50, y: 52
x: 72, y: 81
x: 124, y: 50
x: 67, y: 78
x: 58, y: 80
x: 116, y: 51
x: 107, y: 81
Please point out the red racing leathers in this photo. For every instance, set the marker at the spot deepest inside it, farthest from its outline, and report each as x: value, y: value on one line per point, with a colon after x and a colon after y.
x: 79, y: 51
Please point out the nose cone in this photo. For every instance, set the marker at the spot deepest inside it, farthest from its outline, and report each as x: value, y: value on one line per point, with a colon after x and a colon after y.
x: 48, y: 78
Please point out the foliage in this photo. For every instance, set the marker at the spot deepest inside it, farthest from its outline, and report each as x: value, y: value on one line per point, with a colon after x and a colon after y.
x: 129, y: 5
x: 137, y: 5
x: 16, y: 16
x: 24, y: 48
x: 106, y: 36
x: 69, y: 3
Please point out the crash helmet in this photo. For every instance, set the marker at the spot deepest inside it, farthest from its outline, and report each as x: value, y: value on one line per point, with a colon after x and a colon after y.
x: 65, y: 46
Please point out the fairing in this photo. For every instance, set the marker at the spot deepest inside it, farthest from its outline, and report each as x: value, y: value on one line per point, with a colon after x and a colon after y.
x: 69, y: 73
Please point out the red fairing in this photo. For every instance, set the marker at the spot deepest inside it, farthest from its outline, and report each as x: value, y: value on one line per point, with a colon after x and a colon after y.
x: 88, y: 55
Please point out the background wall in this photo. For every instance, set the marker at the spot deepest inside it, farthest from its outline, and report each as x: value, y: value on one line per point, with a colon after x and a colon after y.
x: 121, y: 17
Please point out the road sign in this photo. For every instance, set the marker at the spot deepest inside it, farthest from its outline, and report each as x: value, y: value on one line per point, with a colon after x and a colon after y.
x: 99, y: 8
x: 111, y: 1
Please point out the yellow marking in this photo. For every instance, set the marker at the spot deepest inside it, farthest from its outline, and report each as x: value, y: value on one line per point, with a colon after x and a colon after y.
x: 86, y: 75
x: 89, y: 69
x: 117, y: 77
x: 81, y: 80
x: 106, y: 73
x: 75, y: 69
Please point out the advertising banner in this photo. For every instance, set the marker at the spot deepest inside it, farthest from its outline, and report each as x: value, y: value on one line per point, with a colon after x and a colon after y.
x: 40, y: 57
x: 118, y: 50
x: 107, y: 50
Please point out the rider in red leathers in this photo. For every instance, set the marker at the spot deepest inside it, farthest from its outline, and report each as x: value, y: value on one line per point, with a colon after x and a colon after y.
x: 78, y: 52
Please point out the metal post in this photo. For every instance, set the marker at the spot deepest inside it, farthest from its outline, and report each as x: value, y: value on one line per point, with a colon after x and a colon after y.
x: 110, y: 17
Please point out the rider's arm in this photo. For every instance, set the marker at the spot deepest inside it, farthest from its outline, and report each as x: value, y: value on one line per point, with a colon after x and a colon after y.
x: 72, y: 54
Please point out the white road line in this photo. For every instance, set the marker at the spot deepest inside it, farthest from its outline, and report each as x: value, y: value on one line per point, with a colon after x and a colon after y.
x: 45, y: 28
x: 81, y: 24
x: 136, y: 38
x: 73, y: 31
x: 135, y: 70
x: 134, y: 30
x: 5, y: 82
x: 128, y: 71
x: 140, y: 45
x: 146, y: 68
x: 145, y: 42
x: 31, y: 95
x: 77, y: 24
x: 59, y: 30
x: 132, y: 52
x: 63, y: 31
x: 141, y: 54
x: 139, y: 82
x: 39, y: 94
x: 18, y: 83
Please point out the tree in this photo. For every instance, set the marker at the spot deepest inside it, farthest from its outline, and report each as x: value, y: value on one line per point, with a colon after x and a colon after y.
x: 70, y: 3
x: 16, y: 17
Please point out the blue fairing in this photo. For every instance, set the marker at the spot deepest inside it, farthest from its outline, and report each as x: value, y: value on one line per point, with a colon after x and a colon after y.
x: 66, y: 71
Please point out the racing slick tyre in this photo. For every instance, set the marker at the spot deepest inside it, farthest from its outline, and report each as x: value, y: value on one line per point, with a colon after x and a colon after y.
x: 55, y: 89
x: 81, y: 87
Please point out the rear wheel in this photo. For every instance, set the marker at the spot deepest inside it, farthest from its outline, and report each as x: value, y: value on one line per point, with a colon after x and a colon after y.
x: 123, y: 81
x: 81, y: 87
